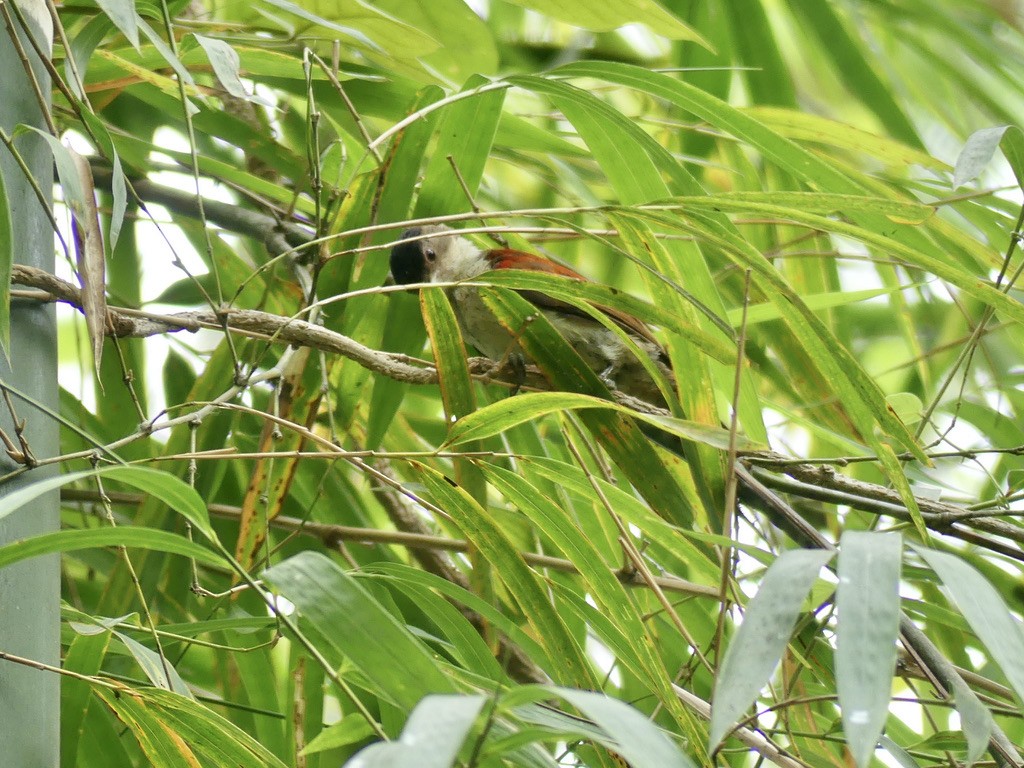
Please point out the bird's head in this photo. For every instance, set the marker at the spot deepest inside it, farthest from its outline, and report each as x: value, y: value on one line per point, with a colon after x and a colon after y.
x: 421, y: 249
x: 436, y: 254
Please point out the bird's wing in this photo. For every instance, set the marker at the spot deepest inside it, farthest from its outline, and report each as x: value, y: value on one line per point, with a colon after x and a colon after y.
x: 507, y: 258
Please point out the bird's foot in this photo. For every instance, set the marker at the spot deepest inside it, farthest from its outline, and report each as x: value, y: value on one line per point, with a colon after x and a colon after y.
x: 516, y: 365
x: 512, y: 368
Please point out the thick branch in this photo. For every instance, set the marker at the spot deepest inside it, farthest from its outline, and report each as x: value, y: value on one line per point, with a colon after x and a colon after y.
x: 823, y: 483
x: 250, y: 322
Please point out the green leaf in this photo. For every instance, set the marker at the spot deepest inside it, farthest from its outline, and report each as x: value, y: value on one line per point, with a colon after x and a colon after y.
x: 466, y: 44
x: 566, y: 660
x: 161, y: 746
x: 604, y: 17
x: 901, y: 756
x: 84, y: 657
x: 581, y: 293
x: 351, y: 730
x: 360, y: 628
x: 465, y: 133
x: 122, y: 13
x: 817, y: 302
x: 901, y: 211
x: 895, y: 471
x: 975, y: 720
x: 432, y: 736
x: 756, y: 45
x: 173, y: 730
x: 624, y: 151
x: 601, y: 585
x: 168, y: 55
x: 758, y: 646
x: 671, y: 545
x: 510, y: 412
x: 868, y: 605
x: 83, y: 43
x: 979, y: 148
x: 461, y: 638
x: 403, y: 161
x: 356, y: 21
x: 171, y: 490
x: 449, y: 354
x: 718, y: 113
x: 986, y: 612
x: 805, y: 126
x: 460, y: 596
x: 566, y: 370
x: 67, y: 172
x: 632, y: 735
x: 126, y: 536
x: 159, y: 671
x: 853, y: 63
x: 226, y: 65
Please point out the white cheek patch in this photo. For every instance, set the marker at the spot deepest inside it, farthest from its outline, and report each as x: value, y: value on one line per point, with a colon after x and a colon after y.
x: 461, y: 260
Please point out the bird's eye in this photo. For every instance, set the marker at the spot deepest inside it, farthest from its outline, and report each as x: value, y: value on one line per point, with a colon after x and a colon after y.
x: 429, y: 255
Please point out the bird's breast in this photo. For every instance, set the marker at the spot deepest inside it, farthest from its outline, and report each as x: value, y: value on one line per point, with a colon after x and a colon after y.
x: 479, y: 326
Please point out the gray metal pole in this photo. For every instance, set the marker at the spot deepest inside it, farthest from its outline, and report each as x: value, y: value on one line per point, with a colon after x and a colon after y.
x: 29, y: 591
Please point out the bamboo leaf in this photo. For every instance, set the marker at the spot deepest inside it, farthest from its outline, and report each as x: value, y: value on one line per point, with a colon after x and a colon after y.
x: 631, y: 734
x: 226, y: 65
x: 360, y: 628
x: 986, y: 612
x: 981, y: 146
x: 126, y: 536
x: 577, y: 292
x: 431, y: 738
x: 122, y: 13
x: 851, y: 62
x: 449, y: 354
x: 566, y: 370
x: 498, y: 417
x: 975, y: 719
x: 565, y: 658
x: 604, y: 17
x: 173, y: 730
x: 465, y: 134
x: 91, y: 259
x: 868, y: 603
x: 601, y: 584
x: 161, y: 485
x: 756, y: 649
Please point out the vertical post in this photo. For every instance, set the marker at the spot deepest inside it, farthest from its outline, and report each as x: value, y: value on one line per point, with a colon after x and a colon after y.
x: 30, y: 590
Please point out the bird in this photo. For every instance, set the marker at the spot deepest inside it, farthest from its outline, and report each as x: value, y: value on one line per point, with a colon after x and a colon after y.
x: 438, y: 254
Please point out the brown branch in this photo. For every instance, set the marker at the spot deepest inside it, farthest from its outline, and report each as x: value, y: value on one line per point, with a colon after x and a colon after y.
x: 134, y: 323
x: 816, y: 481
x: 824, y: 483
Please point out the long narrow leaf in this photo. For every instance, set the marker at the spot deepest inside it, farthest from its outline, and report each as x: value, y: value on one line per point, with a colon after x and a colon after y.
x: 868, y: 604
x: 360, y: 628
x: 758, y: 646
x: 985, y: 610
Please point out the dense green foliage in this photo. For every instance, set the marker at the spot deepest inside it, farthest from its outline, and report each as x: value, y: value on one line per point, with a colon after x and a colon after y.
x: 298, y: 523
